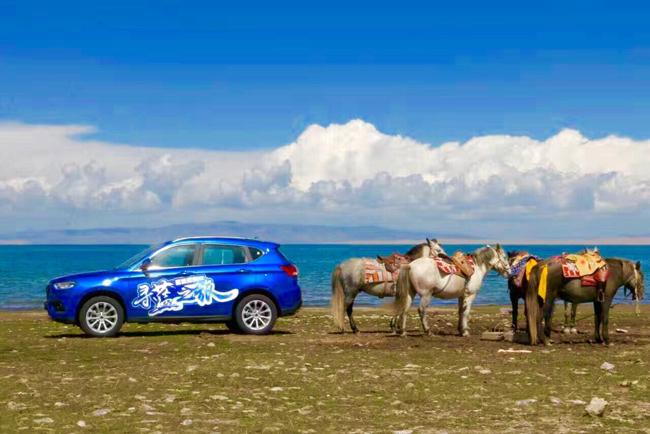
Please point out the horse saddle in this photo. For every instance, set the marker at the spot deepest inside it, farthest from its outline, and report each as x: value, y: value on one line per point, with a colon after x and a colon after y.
x: 393, y: 262
x: 459, y: 264
x: 589, y: 267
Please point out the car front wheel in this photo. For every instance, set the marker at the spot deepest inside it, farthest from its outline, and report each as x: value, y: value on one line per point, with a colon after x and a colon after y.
x: 101, y: 316
x: 256, y: 314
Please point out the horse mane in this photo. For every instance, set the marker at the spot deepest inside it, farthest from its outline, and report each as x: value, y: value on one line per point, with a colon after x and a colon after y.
x: 415, y: 249
x: 483, y: 255
x: 620, y: 262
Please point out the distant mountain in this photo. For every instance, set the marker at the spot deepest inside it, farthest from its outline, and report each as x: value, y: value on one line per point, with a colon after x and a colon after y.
x: 282, y: 233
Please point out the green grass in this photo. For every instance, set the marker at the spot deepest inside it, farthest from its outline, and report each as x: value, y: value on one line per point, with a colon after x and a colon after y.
x: 304, y: 378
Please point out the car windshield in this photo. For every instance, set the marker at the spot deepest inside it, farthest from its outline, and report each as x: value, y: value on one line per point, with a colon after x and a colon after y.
x: 138, y: 257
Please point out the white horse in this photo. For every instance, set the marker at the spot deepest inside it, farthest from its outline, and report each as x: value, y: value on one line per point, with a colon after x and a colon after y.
x: 348, y: 280
x: 423, y: 277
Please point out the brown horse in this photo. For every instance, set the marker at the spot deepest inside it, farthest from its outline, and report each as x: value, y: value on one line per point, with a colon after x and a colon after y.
x: 622, y: 272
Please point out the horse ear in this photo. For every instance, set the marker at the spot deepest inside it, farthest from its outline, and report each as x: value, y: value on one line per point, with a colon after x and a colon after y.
x: 638, y: 265
x: 380, y: 259
x: 499, y: 246
x: 435, y: 240
x: 428, y: 240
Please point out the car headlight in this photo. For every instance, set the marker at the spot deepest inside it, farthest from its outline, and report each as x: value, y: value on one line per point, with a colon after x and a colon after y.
x: 64, y: 285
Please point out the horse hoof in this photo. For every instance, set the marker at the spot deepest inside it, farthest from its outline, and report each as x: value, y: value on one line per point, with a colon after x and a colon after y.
x: 355, y: 331
x: 574, y: 331
x: 465, y: 334
x: 566, y: 330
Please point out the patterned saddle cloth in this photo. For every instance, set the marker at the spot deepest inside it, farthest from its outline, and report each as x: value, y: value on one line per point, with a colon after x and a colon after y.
x: 459, y: 264
x: 375, y: 272
x: 521, y: 267
x: 589, y: 267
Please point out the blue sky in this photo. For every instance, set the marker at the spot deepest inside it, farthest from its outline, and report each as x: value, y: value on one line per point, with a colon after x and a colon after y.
x: 330, y: 113
x: 210, y: 74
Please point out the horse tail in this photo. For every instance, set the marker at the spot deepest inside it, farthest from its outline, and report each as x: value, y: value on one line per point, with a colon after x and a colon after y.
x: 533, y: 314
x: 338, y: 299
x: 403, y: 291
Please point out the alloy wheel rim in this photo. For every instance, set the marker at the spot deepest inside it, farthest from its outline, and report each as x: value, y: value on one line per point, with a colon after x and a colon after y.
x: 101, y: 317
x: 257, y: 314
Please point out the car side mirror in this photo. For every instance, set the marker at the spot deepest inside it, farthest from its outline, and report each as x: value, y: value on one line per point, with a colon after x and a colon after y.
x: 144, y: 266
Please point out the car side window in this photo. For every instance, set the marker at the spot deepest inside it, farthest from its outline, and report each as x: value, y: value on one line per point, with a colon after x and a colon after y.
x: 176, y: 256
x: 216, y: 254
x: 255, y: 253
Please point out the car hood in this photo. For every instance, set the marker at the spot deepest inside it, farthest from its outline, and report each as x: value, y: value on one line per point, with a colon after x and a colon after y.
x: 92, y: 275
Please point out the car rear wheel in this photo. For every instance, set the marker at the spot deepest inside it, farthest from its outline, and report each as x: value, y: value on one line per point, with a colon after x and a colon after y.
x: 101, y: 316
x: 256, y: 314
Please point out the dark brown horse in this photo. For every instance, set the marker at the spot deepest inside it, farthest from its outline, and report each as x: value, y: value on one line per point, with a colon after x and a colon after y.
x: 516, y: 291
x: 622, y: 272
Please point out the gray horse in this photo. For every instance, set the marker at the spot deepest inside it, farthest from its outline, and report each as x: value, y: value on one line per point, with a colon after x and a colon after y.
x: 348, y: 280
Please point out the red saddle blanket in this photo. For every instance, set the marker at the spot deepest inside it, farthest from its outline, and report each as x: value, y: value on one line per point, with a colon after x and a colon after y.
x: 447, y: 267
x: 570, y: 271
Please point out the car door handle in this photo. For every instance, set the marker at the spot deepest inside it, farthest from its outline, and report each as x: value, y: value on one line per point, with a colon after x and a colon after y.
x: 243, y: 270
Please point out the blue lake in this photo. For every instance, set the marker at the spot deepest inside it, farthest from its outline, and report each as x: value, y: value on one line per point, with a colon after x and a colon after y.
x: 25, y: 270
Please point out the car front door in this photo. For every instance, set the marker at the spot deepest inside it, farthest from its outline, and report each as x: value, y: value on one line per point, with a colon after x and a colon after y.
x: 170, y: 286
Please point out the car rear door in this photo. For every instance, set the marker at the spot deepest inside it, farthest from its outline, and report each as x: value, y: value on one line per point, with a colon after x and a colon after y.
x: 226, y: 266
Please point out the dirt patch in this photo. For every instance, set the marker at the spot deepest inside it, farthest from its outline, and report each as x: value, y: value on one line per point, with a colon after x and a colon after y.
x: 306, y: 378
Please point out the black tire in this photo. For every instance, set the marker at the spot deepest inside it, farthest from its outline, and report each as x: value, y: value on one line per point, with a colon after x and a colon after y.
x: 232, y: 326
x: 113, y: 316
x: 249, y: 307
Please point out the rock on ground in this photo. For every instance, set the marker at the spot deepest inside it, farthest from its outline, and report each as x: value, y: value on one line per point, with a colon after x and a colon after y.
x: 596, y: 407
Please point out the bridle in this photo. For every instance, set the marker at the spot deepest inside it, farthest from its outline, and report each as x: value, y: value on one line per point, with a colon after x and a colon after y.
x: 632, y: 283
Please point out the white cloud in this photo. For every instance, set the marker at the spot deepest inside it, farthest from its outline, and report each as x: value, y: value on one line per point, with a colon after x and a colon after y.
x: 336, y: 173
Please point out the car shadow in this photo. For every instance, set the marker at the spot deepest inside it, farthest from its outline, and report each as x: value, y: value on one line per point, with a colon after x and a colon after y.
x: 154, y: 333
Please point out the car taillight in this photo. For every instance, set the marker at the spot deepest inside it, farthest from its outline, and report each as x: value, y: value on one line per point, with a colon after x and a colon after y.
x: 290, y: 269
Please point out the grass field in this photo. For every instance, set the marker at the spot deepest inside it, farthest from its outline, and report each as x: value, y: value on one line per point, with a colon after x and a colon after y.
x: 305, y: 378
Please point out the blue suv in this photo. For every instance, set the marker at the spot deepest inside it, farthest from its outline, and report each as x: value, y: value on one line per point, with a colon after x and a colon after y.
x: 244, y: 283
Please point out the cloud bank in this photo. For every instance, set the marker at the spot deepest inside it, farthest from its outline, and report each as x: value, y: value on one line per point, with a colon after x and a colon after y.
x: 350, y: 173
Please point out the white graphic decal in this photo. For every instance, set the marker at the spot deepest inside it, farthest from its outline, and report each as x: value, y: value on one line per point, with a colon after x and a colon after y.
x: 172, y: 295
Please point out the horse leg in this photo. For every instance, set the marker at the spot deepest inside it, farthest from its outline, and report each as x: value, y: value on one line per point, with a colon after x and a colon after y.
x: 402, y: 323
x: 349, y: 303
x: 604, y: 319
x: 566, y: 327
x: 463, y: 321
x: 425, y: 300
x: 598, y: 309
x: 574, y: 313
x: 461, y: 309
x: 548, y: 320
x: 514, y: 300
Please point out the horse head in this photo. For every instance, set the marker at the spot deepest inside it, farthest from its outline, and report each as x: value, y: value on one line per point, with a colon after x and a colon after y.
x: 435, y: 249
x: 498, y: 260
